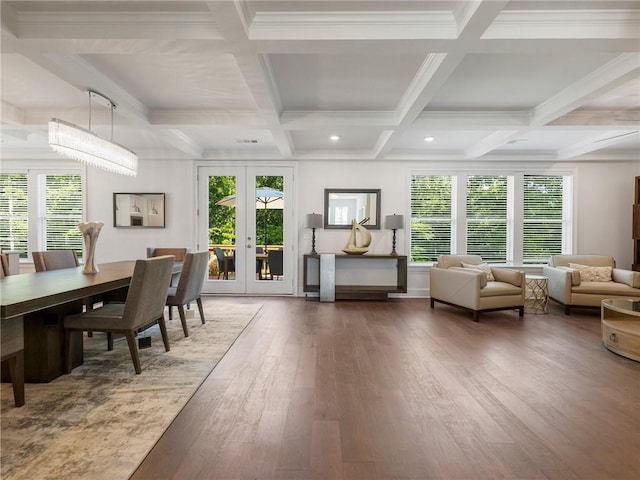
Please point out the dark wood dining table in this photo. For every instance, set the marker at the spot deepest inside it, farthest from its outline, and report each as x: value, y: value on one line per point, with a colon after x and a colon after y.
x: 32, y: 309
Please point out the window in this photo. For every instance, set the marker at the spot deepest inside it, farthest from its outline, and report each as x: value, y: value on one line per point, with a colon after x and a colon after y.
x: 50, y: 204
x: 487, y: 217
x: 431, y: 220
x: 543, y: 217
x: 62, y: 212
x: 14, y: 212
x: 512, y: 217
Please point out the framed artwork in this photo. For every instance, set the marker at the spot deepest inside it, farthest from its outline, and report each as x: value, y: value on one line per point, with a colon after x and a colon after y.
x: 138, y: 210
x: 342, y: 205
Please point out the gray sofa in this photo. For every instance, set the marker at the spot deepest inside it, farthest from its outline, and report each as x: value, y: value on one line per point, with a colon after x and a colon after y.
x: 467, y: 288
x: 580, y: 287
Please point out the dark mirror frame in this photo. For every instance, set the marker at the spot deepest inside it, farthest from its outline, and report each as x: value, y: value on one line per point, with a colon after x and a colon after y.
x: 138, y: 210
x: 374, y: 221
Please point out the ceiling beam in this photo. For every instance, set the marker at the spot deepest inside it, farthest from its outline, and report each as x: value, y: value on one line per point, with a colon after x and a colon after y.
x: 604, y: 140
x: 615, y: 73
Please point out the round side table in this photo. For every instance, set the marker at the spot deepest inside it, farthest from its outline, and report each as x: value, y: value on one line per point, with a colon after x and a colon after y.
x: 536, y: 295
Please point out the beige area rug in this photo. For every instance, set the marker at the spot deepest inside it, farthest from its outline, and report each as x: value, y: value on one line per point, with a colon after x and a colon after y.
x: 100, y: 421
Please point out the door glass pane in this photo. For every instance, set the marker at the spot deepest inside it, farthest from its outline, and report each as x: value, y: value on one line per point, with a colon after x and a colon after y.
x: 222, y: 227
x: 269, y: 228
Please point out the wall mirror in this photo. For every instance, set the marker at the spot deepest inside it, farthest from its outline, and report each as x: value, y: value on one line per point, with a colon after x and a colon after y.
x: 342, y: 205
x: 138, y: 210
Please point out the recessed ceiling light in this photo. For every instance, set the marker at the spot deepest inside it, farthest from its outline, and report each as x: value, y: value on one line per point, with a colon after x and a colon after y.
x: 334, y: 138
x: 429, y: 139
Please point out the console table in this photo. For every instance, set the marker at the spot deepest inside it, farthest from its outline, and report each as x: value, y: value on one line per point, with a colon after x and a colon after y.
x: 332, y: 276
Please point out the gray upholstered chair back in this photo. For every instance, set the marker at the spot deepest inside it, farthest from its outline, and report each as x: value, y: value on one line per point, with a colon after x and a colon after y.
x: 447, y: 261
x: 4, y: 265
x: 54, y: 260
x: 178, y: 252
x: 192, y: 277
x: 148, y: 291
x: 275, y: 258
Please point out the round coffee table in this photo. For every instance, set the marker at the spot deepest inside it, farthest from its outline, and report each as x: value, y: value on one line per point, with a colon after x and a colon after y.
x: 621, y: 326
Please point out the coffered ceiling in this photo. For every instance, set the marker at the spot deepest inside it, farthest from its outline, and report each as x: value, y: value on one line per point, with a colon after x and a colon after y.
x: 487, y: 79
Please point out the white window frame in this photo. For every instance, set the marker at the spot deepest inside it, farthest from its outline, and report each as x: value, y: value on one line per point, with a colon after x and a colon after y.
x: 36, y: 202
x: 515, y: 207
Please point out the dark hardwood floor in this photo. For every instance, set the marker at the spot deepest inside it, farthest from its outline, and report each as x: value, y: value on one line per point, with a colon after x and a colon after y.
x: 395, y: 390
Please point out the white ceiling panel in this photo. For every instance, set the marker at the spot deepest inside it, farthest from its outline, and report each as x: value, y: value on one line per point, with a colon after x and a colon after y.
x: 343, y: 82
x: 513, y: 81
x: 273, y: 79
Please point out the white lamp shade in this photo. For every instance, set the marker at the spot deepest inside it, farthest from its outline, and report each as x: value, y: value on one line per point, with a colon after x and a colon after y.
x: 313, y: 220
x: 394, y: 222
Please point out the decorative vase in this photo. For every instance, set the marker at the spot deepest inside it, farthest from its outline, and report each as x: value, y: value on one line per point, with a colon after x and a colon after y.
x: 90, y: 232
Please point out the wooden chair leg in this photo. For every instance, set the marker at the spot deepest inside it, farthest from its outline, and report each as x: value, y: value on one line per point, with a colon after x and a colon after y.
x: 521, y: 312
x: 16, y: 371
x: 200, y: 309
x: 183, y: 319
x: 163, y: 331
x: 432, y: 302
x: 133, y: 349
x: 170, y: 312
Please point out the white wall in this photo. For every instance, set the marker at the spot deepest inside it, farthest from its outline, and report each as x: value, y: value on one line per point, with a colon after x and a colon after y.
x: 603, y: 192
x: 603, y: 217
x: 174, y: 178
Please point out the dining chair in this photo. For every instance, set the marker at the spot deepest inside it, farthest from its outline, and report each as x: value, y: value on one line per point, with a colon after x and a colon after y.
x: 189, y: 286
x: 54, y: 260
x: 178, y: 252
x: 226, y: 263
x: 275, y: 260
x: 4, y: 265
x: 143, y: 307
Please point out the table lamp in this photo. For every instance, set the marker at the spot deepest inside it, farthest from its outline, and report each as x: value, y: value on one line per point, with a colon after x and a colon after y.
x: 313, y: 221
x: 394, y: 222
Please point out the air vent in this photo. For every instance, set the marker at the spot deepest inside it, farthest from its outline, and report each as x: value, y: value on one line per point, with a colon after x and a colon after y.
x: 246, y: 140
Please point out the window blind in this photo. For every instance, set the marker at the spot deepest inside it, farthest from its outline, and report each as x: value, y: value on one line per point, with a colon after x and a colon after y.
x: 543, y: 217
x: 487, y: 217
x: 14, y: 214
x: 431, y: 217
x: 63, y: 212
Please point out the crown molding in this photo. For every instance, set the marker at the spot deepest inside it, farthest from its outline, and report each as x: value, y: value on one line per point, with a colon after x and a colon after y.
x: 303, y: 120
x: 352, y: 25
x: 565, y: 24
x: 78, y: 25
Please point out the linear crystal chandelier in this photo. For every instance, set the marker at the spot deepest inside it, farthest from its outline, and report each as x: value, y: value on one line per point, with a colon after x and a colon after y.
x: 85, y: 146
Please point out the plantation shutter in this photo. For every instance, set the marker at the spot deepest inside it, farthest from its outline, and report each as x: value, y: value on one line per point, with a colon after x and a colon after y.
x: 14, y: 215
x: 487, y: 217
x: 63, y: 212
x: 431, y: 217
x: 543, y: 217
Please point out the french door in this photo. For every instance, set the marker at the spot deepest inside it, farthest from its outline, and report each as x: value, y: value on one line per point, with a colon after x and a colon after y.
x: 245, y: 219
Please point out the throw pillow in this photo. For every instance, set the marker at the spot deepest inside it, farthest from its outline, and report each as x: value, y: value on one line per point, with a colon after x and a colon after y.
x: 483, y: 267
x: 592, y: 274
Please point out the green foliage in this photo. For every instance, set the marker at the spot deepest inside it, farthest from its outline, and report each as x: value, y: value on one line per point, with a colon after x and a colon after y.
x: 222, y: 219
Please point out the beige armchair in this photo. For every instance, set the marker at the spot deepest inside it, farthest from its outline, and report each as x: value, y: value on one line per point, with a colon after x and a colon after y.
x: 586, y: 280
x: 471, y: 289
